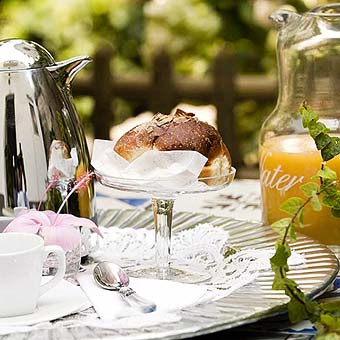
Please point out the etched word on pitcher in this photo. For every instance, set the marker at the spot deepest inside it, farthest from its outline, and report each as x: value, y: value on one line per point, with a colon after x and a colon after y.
x: 277, y: 179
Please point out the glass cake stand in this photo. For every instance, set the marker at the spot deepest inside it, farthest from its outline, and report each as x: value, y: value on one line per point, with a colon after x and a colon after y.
x: 163, y: 193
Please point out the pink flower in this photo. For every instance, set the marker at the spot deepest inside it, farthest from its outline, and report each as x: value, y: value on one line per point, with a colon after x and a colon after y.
x: 57, y: 229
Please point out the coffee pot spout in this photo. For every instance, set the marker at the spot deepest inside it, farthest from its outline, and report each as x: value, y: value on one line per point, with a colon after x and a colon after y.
x: 284, y: 17
x: 65, y: 71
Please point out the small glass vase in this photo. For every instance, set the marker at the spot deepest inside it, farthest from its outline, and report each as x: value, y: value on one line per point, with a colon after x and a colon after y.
x: 72, y: 263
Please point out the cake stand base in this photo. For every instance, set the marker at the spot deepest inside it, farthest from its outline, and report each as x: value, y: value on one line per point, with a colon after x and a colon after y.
x: 183, y: 275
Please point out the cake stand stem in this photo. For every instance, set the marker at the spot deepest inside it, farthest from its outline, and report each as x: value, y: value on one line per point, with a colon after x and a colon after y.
x: 162, y: 209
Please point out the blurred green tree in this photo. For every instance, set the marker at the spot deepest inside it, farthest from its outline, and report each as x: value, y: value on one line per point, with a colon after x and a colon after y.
x: 72, y: 27
x: 192, y: 31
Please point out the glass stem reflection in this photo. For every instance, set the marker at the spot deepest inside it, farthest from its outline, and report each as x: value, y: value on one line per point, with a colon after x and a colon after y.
x: 162, y: 209
x: 63, y: 189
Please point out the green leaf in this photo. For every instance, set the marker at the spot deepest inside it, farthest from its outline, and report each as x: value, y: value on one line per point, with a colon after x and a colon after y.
x: 292, y: 234
x: 318, y: 131
x: 316, y: 205
x: 328, y: 187
x: 331, y: 306
x: 279, y: 266
x: 309, y: 188
x: 327, y: 173
x: 300, y: 219
x: 280, y: 226
x: 330, y: 321
x: 329, y: 146
x: 329, y: 200
x: 327, y: 336
x: 296, y: 311
x: 291, y: 205
x: 308, y: 115
x: 281, y: 256
x: 331, y: 150
x: 322, y: 140
x: 300, y: 306
x: 335, y: 212
x: 279, y: 282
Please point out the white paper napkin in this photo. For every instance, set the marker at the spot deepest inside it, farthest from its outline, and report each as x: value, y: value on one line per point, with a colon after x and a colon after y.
x: 168, y: 295
x: 177, y: 168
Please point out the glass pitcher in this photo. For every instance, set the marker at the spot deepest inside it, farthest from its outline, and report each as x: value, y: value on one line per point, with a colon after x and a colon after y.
x: 309, y: 69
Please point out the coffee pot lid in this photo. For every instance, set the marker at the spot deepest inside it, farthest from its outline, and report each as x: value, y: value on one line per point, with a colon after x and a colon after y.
x: 18, y: 54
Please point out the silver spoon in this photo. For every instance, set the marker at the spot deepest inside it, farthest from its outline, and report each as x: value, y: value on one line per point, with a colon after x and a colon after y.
x: 112, y: 277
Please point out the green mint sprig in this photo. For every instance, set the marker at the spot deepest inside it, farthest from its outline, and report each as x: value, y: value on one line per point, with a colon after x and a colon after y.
x: 326, y: 316
x: 329, y: 146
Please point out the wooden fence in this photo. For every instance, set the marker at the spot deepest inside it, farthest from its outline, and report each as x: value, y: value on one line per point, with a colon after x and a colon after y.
x: 162, y: 90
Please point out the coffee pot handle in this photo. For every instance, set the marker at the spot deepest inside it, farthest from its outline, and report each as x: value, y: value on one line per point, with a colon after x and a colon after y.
x: 60, y: 254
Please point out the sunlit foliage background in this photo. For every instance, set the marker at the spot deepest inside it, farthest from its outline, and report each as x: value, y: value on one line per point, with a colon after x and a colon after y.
x: 192, y: 31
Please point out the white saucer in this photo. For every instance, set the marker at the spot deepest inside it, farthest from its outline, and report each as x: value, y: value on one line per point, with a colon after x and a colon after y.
x: 64, y: 299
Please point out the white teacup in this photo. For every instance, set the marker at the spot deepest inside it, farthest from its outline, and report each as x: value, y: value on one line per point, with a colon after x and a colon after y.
x: 21, y: 261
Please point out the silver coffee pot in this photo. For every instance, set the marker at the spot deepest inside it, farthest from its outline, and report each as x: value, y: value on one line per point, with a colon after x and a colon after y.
x: 42, y: 143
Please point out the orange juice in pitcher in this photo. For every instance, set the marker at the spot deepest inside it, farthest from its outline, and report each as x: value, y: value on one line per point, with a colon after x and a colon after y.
x: 287, y: 162
x: 308, y: 55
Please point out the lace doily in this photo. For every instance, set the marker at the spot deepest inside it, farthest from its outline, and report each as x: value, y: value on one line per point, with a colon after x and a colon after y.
x: 205, y: 248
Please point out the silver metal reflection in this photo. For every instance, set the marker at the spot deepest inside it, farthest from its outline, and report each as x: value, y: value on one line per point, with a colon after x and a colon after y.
x: 41, y: 138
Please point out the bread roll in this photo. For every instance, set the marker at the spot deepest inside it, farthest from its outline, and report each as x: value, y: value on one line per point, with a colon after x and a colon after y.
x: 177, y: 131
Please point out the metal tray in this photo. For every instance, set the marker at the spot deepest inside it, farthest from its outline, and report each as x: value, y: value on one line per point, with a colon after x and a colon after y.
x: 248, y: 304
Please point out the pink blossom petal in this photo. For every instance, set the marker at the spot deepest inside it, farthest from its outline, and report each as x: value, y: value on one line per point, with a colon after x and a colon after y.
x: 36, y: 216
x: 55, y: 228
x: 51, y: 215
x: 64, y: 219
x: 19, y: 227
x: 67, y: 219
x: 63, y: 236
x: 30, y: 221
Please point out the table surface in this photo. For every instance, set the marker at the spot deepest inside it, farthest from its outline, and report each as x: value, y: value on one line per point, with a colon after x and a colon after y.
x: 241, y: 200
